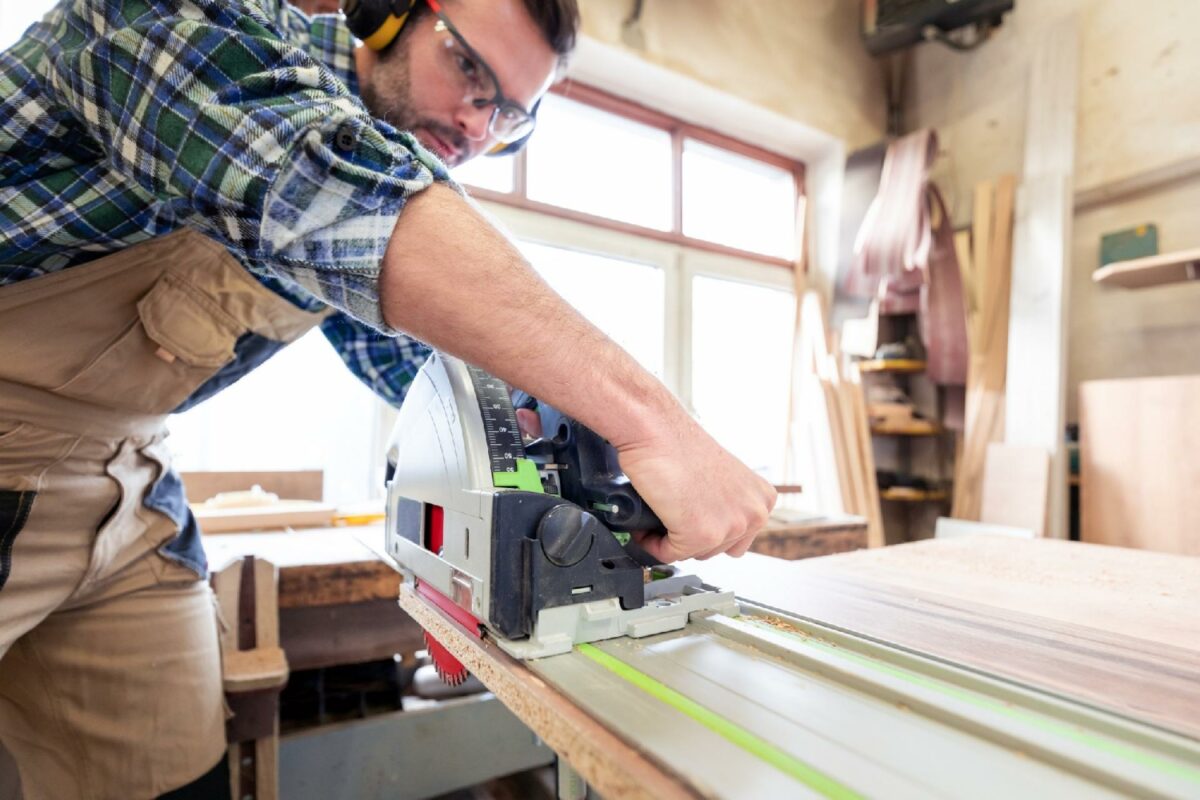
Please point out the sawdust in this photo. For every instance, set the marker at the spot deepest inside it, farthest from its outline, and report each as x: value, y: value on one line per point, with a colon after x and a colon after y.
x: 783, y: 625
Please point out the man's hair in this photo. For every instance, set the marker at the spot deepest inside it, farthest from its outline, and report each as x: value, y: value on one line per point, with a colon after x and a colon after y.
x: 558, y: 21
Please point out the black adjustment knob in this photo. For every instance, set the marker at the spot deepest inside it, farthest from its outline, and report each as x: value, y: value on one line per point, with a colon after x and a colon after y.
x: 566, y: 533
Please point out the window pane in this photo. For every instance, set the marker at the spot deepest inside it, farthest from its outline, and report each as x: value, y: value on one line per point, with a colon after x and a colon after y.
x: 16, y: 17
x: 486, y: 172
x: 625, y: 299
x: 301, y: 410
x: 600, y: 163
x: 741, y: 368
x: 737, y: 201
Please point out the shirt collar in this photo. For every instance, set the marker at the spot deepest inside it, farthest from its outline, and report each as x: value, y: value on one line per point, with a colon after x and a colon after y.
x: 331, y: 43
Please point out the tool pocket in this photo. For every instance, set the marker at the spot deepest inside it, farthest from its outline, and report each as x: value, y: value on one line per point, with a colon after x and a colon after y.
x: 14, y: 510
x: 178, y: 340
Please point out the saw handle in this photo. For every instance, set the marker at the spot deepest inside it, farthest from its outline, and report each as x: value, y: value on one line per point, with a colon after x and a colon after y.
x: 627, y: 511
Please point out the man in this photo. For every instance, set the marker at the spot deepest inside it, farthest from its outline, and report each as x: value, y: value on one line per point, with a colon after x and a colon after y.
x: 185, y: 187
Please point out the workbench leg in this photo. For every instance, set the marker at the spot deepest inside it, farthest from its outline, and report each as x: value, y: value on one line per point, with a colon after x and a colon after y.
x: 571, y: 785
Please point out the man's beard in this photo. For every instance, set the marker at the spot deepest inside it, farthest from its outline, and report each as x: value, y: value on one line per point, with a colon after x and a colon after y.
x: 388, y: 96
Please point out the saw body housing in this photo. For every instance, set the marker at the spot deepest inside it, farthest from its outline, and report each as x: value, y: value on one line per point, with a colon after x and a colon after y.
x: 524, y: 538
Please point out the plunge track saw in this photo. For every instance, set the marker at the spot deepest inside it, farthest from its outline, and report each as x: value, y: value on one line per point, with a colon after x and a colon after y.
x: 528, y: 540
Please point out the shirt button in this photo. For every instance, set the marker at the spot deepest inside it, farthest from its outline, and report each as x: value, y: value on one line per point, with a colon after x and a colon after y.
x: 345, y: 138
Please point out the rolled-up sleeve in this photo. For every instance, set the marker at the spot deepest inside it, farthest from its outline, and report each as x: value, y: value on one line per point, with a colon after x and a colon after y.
x: 236, y: 131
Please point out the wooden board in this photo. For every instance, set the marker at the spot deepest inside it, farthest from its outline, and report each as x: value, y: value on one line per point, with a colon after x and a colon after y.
x: 1140, y: 463
x: 905, y: 366
x: 1014, y: 487
x: 1035, y: 385
x: 1116, y: 628
x: 303, y: 484
x: 279, y: 515
x: 616, y: 769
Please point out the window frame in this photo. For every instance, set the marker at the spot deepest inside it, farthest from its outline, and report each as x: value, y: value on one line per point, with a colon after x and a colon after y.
x: 679, y: 131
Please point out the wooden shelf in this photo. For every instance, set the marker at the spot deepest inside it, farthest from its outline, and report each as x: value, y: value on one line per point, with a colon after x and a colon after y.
x: 916, y: 427
x: 903, y: 494
x: 1140, y: 273
x: 902, y: 365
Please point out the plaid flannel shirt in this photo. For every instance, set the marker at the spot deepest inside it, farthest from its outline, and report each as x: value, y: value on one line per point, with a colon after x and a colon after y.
x: 122, y: 121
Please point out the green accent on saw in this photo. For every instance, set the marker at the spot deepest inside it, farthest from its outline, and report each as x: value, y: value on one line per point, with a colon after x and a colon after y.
x: 526, y: 478
x: 756, y: 746
x: 622, y: 537
x: 982, y: 701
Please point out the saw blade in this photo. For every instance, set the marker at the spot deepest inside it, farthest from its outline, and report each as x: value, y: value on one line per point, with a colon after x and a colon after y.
x: 449, y: 669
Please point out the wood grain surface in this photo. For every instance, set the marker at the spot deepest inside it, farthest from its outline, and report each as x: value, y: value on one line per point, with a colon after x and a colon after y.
x: 1118, y: 629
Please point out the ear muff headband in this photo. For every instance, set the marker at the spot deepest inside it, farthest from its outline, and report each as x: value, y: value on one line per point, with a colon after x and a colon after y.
x: 377, y: 22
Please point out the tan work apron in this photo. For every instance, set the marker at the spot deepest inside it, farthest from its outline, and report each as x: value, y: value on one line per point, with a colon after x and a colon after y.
x: 110, y: 682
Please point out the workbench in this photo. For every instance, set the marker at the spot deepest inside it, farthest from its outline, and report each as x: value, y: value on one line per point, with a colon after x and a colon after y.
x: 337, y: 597
x: 981, y: 666
x: 811, y: 537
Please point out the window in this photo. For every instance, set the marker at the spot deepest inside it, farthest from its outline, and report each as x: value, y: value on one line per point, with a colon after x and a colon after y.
x: 737, y: 201
x: 605, y: 160
x: 488, y: 172
x: 623, y: 298
x: 15, y: 18
x: 301, y: 410
x: 741, y: 358
x: 589, y: 160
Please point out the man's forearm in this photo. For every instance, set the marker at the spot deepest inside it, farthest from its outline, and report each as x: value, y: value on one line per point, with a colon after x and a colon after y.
x: 452, y: 280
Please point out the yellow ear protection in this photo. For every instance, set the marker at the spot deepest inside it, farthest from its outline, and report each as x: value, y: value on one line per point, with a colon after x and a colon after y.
x: 377, y: 23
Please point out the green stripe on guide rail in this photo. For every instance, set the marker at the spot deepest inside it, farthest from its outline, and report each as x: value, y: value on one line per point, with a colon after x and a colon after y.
x: 756, y: 746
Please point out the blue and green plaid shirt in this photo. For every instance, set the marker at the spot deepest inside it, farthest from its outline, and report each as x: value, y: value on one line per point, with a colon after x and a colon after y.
x: 122, y: 120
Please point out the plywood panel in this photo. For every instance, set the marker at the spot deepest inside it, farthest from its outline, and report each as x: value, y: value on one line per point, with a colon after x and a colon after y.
x: 1014, y: 487
x: 1140, y: 463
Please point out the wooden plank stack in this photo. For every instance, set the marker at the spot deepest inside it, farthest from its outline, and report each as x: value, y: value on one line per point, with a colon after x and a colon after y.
x: 987, y: 278
x: 831, y: 430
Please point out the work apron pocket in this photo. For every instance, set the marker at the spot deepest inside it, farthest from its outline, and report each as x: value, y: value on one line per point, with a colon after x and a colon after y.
x: 14, y: 510
x: 179, y: 339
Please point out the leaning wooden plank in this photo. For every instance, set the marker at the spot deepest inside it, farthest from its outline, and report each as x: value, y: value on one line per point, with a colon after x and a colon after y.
x: 1014, y: 487
x: 614, y: 768
x: 1036, y: 384
x: 873, y: 513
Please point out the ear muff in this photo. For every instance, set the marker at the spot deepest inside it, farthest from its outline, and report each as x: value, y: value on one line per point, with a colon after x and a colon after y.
x: 376, y: 22
x: 508, y: 149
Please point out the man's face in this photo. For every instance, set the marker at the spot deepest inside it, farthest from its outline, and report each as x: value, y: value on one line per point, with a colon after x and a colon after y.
x: 416, y: 85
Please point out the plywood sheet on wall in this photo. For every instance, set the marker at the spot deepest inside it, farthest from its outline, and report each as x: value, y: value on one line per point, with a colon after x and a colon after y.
x: 1140, y: 463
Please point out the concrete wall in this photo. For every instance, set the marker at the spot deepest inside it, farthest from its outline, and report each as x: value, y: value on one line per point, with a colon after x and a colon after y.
x: 800, y: 58
x: 1139, y: 117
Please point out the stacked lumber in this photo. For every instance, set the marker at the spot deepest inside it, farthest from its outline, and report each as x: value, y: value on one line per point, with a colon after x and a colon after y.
x: 985, y: 257
x: 835, y: 461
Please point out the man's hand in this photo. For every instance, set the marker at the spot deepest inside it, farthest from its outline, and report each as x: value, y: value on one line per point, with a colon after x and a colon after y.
x: 709, y: 502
